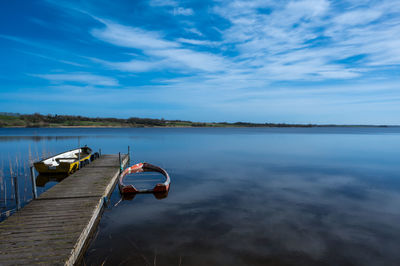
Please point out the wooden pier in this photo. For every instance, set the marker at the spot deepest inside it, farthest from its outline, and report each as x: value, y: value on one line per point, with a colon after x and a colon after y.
x: 55, y: 228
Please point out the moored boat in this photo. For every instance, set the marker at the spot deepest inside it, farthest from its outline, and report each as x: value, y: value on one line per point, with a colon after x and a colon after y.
x: 143, y: 167
x: 66, y: 162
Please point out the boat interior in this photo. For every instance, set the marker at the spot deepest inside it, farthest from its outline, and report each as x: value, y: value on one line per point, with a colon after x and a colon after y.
x: 69, y: 157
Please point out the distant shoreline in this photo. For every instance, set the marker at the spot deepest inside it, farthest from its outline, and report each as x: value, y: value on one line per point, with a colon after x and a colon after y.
x: 286, y: 126
x: 10, y: 120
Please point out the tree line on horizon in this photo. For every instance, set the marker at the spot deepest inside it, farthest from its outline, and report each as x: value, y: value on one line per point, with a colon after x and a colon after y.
x: 39, y: 120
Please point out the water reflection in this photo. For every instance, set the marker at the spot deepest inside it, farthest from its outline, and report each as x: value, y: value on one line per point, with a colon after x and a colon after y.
x: 264, y: 216
x: 250, y: 196
x: 43, y: 179
x: 263, y: 200
x: 36, y: 138
x: 157, y: 195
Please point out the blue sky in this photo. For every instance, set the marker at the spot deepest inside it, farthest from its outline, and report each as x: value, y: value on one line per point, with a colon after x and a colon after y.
x: 307, y: 61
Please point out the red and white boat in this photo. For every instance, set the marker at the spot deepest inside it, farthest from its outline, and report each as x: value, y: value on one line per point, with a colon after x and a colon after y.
x: 143, y: 167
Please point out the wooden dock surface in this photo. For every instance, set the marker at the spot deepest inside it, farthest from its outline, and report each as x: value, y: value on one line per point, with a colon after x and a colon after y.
x: 54, y: 229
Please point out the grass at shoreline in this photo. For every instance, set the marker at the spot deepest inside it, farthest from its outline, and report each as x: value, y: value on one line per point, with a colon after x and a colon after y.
x: 64, y: 121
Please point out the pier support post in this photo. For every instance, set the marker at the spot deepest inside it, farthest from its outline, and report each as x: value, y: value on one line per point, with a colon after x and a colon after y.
x: 120, y: 163
x: 16, y: 192
x: 129, y: 154
x: 33, y: 179
x: 79, y: 153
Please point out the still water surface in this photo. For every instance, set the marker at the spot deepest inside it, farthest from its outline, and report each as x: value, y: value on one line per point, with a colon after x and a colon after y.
x: 290, y: 196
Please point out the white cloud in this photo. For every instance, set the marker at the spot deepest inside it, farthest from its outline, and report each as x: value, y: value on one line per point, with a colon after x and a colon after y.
x: 83, y: 78
x: 357, y: 17
x: 163, y: 3
x: 244, y: 60
x: 132, y: 65
x: 307, y: 8
x: 283, y: 44
x: 194, y: 31
x: 271, y: 41
x: 195, y: 42
x: 53, y: 59
x: 195, y: 60
x: 183, y: 11
x: 164, y: 53
x: 131, y: 37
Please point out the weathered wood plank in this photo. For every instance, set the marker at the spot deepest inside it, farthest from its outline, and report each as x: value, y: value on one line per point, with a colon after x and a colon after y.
x: 53, y: 229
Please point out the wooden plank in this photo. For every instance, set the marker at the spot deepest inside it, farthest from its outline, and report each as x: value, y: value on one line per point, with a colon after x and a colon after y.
x: 54, y: 228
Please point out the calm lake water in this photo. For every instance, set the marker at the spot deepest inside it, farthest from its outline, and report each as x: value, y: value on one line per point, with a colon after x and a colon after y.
x: 241, y: 196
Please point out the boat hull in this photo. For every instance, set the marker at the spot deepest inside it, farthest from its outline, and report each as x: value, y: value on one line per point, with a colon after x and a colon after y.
x: 44, y: 167
x: 143, y: 167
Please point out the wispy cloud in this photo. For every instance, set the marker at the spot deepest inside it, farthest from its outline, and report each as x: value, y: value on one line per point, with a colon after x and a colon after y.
x: 131, y: 37
x: 194, y: 31
x: 164, y: 53
x: 83, y: 78
x: 310, y: 39
x: 195, y: 42
x: 285, y: 41
x: 357, y: 17
x: 163, y: 3
x: 285, y: 58
x: 183, y: 11
x: 53, y: 59
x: 313, y: 40
x: 132, y: 65
x: 19, y: 40
x: 176, y: 11
x: 43, y: 47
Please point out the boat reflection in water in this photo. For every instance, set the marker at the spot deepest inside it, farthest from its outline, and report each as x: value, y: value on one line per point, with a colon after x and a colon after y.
x: 43, y: 179
x: 157, y: 195
x: 132, y: 196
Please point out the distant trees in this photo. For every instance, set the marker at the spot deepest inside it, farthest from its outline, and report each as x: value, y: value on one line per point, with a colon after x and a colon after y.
x: 146, y: 121
x: 38, y: 120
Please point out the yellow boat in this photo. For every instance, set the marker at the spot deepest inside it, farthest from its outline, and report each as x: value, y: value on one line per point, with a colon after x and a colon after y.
x: 66, y: 162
